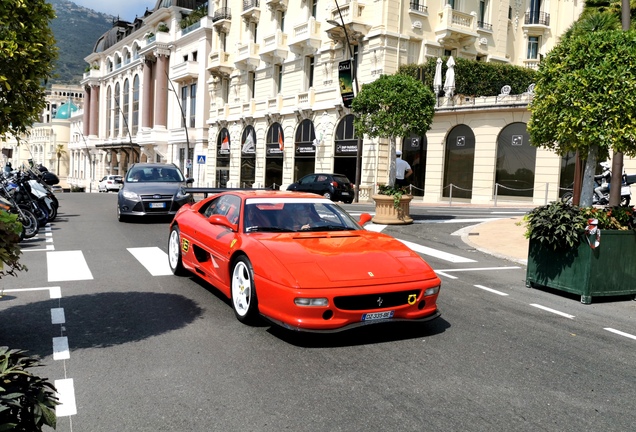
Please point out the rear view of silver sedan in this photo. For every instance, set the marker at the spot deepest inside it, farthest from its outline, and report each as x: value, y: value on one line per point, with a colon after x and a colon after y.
x: 152, y: 189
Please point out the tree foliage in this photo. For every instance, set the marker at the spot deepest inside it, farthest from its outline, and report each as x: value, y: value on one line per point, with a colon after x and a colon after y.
x: 27, y: 55
x: 393, y: 106
x: 10, y: 250
x: 585, y: 95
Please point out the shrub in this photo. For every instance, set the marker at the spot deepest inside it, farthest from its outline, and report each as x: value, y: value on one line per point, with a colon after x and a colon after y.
x: 10, y: 251
x: 27, y: 402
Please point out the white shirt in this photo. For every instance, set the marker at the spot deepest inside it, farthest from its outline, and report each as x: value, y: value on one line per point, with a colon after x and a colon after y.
x: 401, y: 167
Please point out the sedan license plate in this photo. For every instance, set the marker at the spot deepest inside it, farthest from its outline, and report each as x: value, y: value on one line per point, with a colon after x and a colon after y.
x: 377, y: 316
x: 345, y: 193
x: 158, y: 205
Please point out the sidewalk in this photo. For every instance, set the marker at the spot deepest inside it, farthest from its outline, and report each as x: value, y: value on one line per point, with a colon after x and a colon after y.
x: 503, y: 238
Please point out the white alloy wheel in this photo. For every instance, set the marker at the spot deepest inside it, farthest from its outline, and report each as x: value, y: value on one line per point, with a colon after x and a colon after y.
x: 174, y: 253
x: 243, y: 291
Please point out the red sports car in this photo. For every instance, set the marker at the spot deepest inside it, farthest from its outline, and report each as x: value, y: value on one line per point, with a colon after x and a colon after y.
x: 300, y: 261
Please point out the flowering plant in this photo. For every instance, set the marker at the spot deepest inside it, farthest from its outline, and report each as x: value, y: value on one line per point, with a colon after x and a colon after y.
x: 395, y: 191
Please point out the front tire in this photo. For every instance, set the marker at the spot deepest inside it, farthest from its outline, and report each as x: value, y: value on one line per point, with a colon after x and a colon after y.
x: 327, y: 195
x: 175, y: 259
x: 567, y: 197
x: 243, y: 291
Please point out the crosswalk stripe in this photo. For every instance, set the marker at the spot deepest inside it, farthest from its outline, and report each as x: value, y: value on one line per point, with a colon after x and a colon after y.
x: 66, y: 395
x: 67, y: 266
x: 153, y: 259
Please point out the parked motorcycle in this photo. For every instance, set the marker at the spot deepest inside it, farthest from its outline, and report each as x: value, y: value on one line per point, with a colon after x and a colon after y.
x: 27, y: 219
x: 601, y: 194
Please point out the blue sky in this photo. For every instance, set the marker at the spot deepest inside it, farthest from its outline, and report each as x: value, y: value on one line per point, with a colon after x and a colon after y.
x: 125, y: 9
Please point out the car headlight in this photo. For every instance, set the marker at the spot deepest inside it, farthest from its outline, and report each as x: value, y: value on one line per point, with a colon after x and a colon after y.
x: 130, y: 195
x: 431, y: 291
x: 302, y: 301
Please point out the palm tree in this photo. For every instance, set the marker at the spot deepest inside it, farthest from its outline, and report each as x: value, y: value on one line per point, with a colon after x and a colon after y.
x: 59, y: 153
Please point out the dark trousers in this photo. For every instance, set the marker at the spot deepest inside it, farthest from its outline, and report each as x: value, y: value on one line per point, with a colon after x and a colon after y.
x: 401, y: 182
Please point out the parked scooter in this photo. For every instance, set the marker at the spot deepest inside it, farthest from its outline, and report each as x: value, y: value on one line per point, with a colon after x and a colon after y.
x: 601, y: 194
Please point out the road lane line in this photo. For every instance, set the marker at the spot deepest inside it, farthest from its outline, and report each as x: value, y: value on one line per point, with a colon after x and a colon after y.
x: 153, y: 259
x: 434, y: 221
x: 436, y: 253
x: 54, y: 292
x: 67, y: 266
x: 57, y: 316
x: 563, y: 314
x: 477, y: 269
x: 438, y: 272
x: 491, y: 290
x: 618, y: 332
x: 66, y: 395
x: 60, y: 348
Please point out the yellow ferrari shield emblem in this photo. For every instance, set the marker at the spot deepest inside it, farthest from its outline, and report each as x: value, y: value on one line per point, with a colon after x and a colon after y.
x: 185, y: 245
x: 412, y: 298
x: 233, y: 243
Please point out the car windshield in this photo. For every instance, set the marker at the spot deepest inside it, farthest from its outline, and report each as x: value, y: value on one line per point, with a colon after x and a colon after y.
x: 154, y: 174
x: 295, y: 215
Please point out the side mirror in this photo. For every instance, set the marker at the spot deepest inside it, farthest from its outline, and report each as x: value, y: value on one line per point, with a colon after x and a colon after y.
x: 190, y: 180
x: 364, y: 218
x: 223, y: 221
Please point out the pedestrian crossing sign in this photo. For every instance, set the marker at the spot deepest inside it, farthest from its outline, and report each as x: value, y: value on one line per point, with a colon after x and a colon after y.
x: 201, y: 159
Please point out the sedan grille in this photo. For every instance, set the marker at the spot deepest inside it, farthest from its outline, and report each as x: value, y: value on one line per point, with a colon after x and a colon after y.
x: 376, y: 301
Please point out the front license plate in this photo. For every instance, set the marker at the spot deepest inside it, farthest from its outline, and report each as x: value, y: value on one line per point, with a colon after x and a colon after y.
x: 158, y: 205
x: 345, y: 193
x: 377, y: 316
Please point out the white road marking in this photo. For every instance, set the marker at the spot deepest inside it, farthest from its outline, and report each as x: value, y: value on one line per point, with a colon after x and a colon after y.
x: 438, y: 272
x: 66, y: 395
x: 374, y: 227
x: 436, y: 253
x: 491, y: 290
x: 48, y: 248
x: 618, y: 332
x: 433, y: 221
x: 154, y: 259
x: 67, y: 266
x: 563, y: 314
x: 477, y: 269
x: 57, y: 316
x: 54, y: 292
x: 60, y: 348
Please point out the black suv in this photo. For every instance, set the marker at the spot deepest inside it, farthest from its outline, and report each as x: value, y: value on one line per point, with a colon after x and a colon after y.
x: 335, y: 187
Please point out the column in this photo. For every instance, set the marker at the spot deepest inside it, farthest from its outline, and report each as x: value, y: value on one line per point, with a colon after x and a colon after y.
x: 147, y: 102
x: 161, y: 94
x: 93, y: 129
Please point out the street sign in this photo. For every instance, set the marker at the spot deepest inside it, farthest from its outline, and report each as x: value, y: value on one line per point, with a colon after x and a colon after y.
x: 201, y: 159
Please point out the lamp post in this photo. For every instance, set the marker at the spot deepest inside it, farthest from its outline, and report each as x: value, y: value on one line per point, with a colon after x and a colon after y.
x: 354, y: 76
x: 185, y: 125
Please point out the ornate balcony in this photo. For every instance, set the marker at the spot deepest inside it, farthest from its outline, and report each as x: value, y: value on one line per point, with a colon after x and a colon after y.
x: 188, y: 70
x: 222, y: 20
x: 536, y: 23
x: 456, y: 29
x: 274, y: 5
x: 274, y: 49
x: 306, y: 38
x: 220, y: 64
x: 351, y: 13
x: 251, y: 11
x: 247, y: 56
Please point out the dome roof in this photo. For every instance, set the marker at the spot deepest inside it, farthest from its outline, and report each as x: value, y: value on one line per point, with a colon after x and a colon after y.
x: 188, y: 4
x: 65, y: 111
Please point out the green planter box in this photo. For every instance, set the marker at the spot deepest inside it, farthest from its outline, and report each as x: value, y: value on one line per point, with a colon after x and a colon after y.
x: 609, y: 270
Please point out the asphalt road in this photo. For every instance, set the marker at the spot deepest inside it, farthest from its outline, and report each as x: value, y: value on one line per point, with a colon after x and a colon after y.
x: 163, y: 353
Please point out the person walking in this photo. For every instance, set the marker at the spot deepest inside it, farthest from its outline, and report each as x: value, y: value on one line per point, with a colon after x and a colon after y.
x: 402, y: 170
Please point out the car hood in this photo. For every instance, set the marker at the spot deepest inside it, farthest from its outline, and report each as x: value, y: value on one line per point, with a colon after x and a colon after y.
x: 162, y: 188
x: 317, y: 260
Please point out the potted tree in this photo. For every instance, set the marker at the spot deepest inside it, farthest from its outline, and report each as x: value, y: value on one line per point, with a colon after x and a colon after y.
x: 582, y: 250
x: 393, y: 106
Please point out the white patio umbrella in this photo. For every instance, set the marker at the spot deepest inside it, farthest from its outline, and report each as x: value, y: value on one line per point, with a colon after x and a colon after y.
x: 437, y: 79
x: 449, y: 83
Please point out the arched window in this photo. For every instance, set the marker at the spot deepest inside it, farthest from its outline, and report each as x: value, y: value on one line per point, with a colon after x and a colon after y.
x: 459, y: 162
x: 126, y: 105
x: 516, y: 159
x: 116, y: 110
x: 346, y: 148
x: 305, y: 149
x: 135, y: 105
x: 223, y: 158
x: 274, y: 152
x: 248, y: 157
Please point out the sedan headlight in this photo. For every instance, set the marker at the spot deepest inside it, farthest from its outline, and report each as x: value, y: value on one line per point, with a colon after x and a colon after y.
x: 431, y: 291
x: 130, y: 195
x: 301, y: 301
